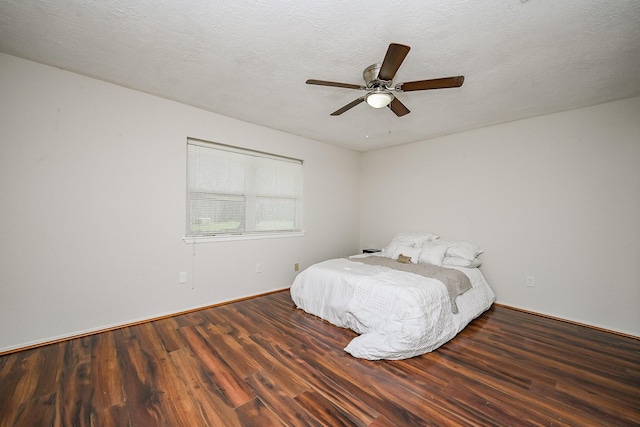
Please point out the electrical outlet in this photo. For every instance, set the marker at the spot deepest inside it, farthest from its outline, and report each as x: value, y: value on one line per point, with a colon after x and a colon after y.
x: 258, y: 268
x: 296, y: 267
x: 531, y: 282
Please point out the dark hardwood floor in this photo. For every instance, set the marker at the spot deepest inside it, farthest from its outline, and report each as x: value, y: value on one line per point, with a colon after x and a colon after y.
x: 261, y: 362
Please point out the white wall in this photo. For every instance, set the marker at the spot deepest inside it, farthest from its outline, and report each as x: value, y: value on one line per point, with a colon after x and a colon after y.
x: 555, y: 197
x: 92, y: 192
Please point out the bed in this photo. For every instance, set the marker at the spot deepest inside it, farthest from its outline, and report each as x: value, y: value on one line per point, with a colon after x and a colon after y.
x: 398, y: 312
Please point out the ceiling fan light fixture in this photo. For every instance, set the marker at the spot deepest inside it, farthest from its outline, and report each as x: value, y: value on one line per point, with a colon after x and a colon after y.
x: 379, y: 99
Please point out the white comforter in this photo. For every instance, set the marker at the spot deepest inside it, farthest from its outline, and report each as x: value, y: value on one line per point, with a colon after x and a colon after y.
x: 398, y: 314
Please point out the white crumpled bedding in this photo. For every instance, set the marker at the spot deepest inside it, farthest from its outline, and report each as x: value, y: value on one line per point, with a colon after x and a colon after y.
x: 397, y: 314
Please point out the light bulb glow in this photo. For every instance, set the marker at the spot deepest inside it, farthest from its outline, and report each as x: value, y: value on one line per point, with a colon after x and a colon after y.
x: 379, y: 99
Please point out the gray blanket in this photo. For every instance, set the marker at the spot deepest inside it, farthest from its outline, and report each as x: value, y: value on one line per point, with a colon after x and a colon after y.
x: 455, y: 281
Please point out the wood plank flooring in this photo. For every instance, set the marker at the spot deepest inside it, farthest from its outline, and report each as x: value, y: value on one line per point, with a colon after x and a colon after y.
x: 262, y: 362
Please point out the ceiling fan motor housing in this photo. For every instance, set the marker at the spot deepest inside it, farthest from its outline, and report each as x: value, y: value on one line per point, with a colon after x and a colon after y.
x: 380, y: 96
x: 370, y: 76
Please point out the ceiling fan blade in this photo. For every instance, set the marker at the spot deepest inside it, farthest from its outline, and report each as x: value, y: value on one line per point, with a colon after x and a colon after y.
x: 443, y: 83
x: 334, y: 84
x: 348, y: 106
x: 398, y: 108
x: 392, y: 61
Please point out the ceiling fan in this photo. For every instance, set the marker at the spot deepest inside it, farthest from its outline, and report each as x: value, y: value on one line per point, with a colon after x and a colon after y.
x: 378, y: 78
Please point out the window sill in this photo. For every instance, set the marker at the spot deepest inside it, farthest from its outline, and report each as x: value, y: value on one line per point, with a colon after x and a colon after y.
x: 247, y: 236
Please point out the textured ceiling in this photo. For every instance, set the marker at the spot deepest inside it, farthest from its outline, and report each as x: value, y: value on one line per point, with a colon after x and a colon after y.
x: 250, y: 59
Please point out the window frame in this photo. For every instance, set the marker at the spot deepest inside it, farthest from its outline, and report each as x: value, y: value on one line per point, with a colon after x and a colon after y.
x: 250, y: 198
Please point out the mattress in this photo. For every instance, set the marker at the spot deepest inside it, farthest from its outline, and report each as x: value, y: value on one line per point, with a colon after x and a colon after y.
x: 397, y: 314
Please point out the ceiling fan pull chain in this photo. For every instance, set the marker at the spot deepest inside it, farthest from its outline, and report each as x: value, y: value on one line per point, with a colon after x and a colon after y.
x: 366, y: 124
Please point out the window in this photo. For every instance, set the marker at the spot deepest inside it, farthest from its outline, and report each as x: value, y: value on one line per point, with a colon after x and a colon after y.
x: 241, y: 193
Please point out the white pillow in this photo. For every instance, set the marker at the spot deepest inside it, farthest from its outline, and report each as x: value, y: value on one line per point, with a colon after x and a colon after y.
x: 393, y: 246
x: 461, y: 249
x: 409, y: 251
x: 432, y: 253
x: 454, y: 261
x: 416, y: 239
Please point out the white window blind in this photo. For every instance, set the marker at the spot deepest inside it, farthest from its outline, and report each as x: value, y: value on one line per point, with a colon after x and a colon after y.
x: 234, y: 191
